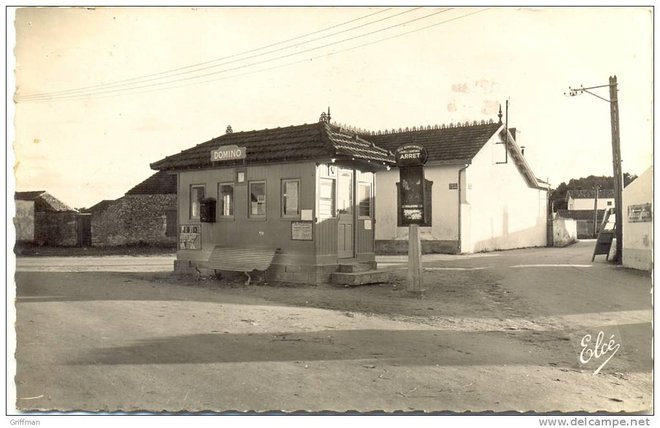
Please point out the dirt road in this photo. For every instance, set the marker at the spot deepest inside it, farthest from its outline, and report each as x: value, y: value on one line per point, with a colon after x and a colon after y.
x: 500, y: 332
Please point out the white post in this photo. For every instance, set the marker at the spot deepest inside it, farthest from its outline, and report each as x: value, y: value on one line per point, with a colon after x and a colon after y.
x: 415, y: 269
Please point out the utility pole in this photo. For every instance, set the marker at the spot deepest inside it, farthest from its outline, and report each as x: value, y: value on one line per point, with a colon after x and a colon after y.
x: 618, y: 175
x: 616, y: 157
x: 596, y: 212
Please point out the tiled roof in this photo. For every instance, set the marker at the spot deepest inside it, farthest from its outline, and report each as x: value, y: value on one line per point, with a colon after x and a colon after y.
x: 580, y: 214
x: 290, y: 144
x: 161, y: 183
x: 457, y: 143
x: 43, y: 201
x: 590, y: 194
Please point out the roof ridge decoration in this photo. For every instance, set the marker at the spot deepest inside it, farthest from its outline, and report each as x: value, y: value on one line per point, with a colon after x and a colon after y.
x: 430, y: 127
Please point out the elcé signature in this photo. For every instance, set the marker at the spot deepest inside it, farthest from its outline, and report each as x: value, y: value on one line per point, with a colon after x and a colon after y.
x: 598, y: 349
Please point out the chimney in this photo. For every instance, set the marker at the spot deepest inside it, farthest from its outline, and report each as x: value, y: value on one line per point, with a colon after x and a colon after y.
x: 513, y: 133
x: 522, y: 150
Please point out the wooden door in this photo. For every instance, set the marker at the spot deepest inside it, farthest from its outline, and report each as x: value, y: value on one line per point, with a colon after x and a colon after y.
x: 346, y: 214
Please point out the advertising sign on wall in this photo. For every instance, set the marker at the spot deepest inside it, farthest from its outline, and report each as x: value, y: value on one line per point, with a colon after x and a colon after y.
x: 225, y: 153
x: 190, y: 237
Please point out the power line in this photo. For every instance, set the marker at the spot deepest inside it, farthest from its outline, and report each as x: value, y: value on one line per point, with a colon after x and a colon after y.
x: 122, y: 92
x: 140, y: 86
x: 204, y: 65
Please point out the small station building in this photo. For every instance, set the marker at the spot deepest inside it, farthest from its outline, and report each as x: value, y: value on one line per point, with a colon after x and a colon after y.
x: 305, y: 194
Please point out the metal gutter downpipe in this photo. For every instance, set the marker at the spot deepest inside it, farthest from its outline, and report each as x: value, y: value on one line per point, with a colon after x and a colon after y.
x: 459, y: 207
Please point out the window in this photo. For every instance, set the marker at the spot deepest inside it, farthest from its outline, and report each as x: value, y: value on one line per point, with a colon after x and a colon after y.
x: 196, y: 196
x: 609, y: 203
x: 290, y: 198
x: 257, y: 199
x: 226, y: 198
x: 364, y: 200
x: 326, y: 197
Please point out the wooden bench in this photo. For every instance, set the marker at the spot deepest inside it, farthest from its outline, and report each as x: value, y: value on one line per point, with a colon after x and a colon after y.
x: 243, y: 260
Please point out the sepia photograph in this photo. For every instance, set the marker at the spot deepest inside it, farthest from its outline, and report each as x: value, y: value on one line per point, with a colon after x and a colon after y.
x: 330, y: 210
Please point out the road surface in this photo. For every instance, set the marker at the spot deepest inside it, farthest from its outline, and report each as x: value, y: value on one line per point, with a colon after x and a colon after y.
x: 503, y: 331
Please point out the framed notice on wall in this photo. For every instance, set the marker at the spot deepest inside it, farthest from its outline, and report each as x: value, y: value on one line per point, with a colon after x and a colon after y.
x: 301, y: 231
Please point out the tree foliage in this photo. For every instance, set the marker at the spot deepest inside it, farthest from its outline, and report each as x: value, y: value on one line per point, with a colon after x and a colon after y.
x: 558, y: 196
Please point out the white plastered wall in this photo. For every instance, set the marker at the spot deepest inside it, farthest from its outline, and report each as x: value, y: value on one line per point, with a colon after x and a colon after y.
x: 500, y: 210
x: 638, y: 236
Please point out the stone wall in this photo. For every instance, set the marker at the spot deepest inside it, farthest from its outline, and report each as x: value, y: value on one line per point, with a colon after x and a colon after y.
x: 24, y: 221
x: 56, y: 228
x: 134, y: 219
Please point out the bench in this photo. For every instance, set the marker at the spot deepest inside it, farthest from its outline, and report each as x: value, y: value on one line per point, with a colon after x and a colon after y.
x: 234, y: 259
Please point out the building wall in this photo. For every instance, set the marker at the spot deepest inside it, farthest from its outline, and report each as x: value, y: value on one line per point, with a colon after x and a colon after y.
x: 273, y: 231
x: 56, y: 228
x: 500, y: 211
x: 588, y: 204
x: 24, y: 221
x: 306, y: 261
x: 564, y: 231
x: 442, y: 236
x: 638, y: 236
x: 134, y: 219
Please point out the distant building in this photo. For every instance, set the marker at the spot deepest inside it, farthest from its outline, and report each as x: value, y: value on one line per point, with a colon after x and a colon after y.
x: 42, y: 219
x: 146, y: 214
x: 584, y: 220
x: 580, y: 207
x: 584, y: 199
x: 485, y: 197
x: 638, y: 222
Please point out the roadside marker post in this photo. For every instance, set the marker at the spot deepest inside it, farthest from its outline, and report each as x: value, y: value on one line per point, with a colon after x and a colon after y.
x: 414, y: 208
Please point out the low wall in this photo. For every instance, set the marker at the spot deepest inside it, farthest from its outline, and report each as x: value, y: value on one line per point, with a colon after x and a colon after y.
x: 134, y: 219
x: 400, y: 246
x: 564, y: 232
x: 56, y: 228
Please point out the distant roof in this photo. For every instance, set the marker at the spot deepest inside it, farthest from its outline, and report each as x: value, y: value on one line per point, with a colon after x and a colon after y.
x: 294, y: 143
x: 458, y: 143
x: 161, y: 183
x: 580, y: 214
x: 43, y: 201
x: 590, y: 194
x: 100, y: 206
x: 28, y: 196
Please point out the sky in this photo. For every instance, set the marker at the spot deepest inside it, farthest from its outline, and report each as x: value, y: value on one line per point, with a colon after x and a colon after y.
x: 375, y: 67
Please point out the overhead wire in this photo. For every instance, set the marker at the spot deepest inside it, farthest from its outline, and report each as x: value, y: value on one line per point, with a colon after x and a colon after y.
x: 205, y: 65
x: 209, y: 61
x: 140, y: 86
x: 123, y: 91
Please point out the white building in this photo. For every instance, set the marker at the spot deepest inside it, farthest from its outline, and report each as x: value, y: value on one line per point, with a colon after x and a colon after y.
x: 638, y: 222
x: 484, y: 197
x: 584, y: 199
